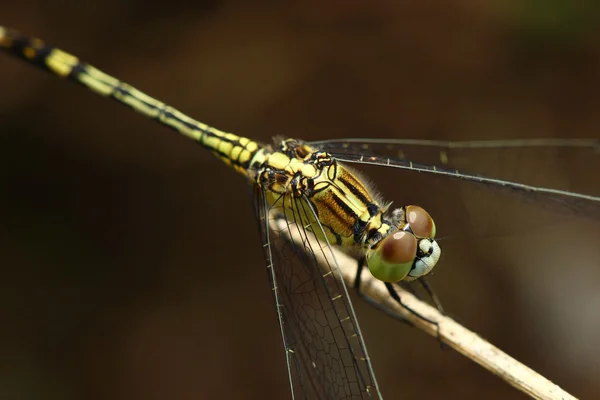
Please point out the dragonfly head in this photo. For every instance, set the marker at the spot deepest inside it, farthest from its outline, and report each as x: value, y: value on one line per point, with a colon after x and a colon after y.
x: 409, y: 252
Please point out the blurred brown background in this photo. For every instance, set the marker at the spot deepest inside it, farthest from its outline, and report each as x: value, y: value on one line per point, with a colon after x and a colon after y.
x: 130, y: 261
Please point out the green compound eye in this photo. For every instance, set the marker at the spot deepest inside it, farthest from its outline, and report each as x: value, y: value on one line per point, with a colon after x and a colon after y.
x: 394, y: 257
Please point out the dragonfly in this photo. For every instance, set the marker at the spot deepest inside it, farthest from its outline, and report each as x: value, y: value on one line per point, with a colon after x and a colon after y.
x: 310, y: 191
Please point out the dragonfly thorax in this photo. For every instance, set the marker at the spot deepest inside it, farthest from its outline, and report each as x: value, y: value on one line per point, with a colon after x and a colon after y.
x: 333, y: 202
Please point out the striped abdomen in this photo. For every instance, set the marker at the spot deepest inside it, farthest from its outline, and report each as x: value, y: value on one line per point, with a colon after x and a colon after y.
x: 343, y: 205
x: 234, y: 150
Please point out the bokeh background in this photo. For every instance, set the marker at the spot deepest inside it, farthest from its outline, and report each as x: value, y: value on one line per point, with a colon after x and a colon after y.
x: 130, y: 261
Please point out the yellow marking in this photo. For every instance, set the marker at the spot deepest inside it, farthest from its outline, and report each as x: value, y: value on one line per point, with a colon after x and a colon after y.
x: 352, y: 201
x: 183, y: 129
x: 225, y: 147
x: 176, y: 123
x: 244, y: 156
x: 61, y: 63
x: 259, y: 157
x: 136, y: 104
x: 251, y: 146
x: 278, y: 161
x: 144, y: 97
x: 96, y: 85
x: 101, y: 76
x: 211, y: 141
x: 182, y: 117
x: 294, y: 166
x: 235, y: 153
x: 140, y: 98
x: 327, y: 274
x: 344, y: 319
x: 308, y: 170
x: 231, y: 137
x: 339, y: 296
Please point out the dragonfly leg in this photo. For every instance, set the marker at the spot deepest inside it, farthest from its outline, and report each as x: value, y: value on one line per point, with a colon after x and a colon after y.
x: 431, y: 293
x: 396, y: 297
x: 371, y: 301
x: 393, y: 293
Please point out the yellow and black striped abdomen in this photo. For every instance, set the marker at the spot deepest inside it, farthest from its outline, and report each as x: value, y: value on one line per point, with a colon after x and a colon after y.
x: 293, y: 172
x: 234, y: 150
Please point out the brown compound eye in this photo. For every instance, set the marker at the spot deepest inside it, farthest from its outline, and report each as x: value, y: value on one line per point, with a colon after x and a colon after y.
x: 394, y: 258
x: 399, y: 248
x: 420, y: 222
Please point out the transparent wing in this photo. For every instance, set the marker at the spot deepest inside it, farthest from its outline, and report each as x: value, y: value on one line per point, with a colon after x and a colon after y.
x: 515, y: 167
x: 325, y: 351
x: 477, y: 157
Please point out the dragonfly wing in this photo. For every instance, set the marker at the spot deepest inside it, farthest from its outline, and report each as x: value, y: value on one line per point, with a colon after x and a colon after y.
x: 325, y: 352
x: 493, y: 158
x: 535, y: 162
x: 587, y: 205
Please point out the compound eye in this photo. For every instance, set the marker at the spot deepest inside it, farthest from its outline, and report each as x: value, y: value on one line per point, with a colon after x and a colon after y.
x: 393, y: 259
x: 399, y: 248
x: 420, y: 222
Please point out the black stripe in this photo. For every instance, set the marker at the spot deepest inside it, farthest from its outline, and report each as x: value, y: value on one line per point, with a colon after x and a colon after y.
x: 78, y: 69
x: 359, y: 195
x: 332, y: 211
x: 358, y: 231
x: 342, y: 204
x: 358, y: 228
x: 373, y: 209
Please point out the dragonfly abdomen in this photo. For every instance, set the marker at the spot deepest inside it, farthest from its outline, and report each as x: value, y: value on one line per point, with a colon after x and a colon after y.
x: 234, y: 150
